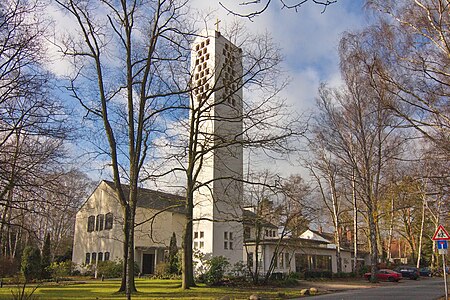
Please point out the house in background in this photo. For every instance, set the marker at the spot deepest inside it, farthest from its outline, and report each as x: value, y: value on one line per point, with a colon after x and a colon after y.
x: 99, y: 227
x: 311, y: 251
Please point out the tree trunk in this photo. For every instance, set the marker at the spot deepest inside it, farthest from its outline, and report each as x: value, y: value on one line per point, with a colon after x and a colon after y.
x: 391, y: 230
x: 373, y: 241
x: 355, y: 225
x: 422, y: 224
x: 187, y: 278
x: 126, y: 238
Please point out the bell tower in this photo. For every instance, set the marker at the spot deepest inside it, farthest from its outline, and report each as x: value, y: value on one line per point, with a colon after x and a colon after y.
x: 217, y: 92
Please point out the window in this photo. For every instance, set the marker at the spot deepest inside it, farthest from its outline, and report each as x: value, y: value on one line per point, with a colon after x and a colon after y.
x: 196, y: 235
x: 287, y: 261
x: 88, y: 258
x: 100, y: 222
x: 202, y: 244
x: 109, y: 221
x: 228, y: 237
x: 202, y: 234
x: 195, y: 245
x: 94, y: 257
x: 246, y: 232
x: 267, y: 232
x: 100, y: 256
x: 91, y: 223
x: 106, y: 256
x: 281, y: 260
x: 275, y: 260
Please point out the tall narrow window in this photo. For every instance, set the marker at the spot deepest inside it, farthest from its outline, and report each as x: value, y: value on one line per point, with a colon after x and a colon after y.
x: 100, y: 222
x: 109, y: 220
x: 88, y: 258
x: 94, y: 257
x: 106, y: 256
x: 100, y: 256
x: 91, y: 223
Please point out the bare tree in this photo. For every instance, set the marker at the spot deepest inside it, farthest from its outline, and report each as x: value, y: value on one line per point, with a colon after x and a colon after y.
x: 413, y: 44
x: 127, y: 56
x: 253, y: 8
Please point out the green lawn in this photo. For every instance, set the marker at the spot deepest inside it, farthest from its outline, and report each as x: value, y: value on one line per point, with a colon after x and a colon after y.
x: 148, y: 289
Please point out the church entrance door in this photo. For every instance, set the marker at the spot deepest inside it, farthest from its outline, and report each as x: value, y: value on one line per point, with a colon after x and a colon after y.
x: 148, y: 263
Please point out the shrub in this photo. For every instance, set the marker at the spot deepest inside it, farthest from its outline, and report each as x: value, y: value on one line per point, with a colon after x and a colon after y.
x: 60, y: 270
x: 31, y: 263
x: 216, y: 269
x: 9, y: 266
x: 110, y: 269
x: 46, y: 258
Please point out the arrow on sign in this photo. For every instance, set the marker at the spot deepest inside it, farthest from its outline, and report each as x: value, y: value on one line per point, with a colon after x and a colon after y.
x: 442, y: 244
x: 441, y: 234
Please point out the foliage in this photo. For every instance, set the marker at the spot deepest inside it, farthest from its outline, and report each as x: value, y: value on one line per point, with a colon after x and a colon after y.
x: 111, y: 269
x: 216, y: 269
x: 9, y: 266
x: 162, y: 271
x: 174, y: 262
x: 363, y: 270
x: 46, y: 258
x: 31, y: 263
x: 59, y: 270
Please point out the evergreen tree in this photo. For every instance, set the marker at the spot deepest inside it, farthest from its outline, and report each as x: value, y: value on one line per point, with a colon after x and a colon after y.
x: 173, y: 257
x: 31, y: 263
x: 46, y: 258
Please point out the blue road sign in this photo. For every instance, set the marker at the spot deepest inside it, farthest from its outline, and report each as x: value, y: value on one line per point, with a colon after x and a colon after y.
x: 442, y: 244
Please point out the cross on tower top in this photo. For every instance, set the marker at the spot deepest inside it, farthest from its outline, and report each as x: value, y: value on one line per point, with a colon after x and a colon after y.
x: 217, y: 24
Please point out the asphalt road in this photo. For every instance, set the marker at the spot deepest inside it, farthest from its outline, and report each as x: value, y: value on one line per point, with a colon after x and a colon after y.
x: 424, y: 289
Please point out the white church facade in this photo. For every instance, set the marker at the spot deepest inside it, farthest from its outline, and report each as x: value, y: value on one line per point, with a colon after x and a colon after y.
x: 219, y: 228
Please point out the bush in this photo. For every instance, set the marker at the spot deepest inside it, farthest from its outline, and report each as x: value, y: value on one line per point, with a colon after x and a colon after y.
x: 59, y: 270
x: 110, y: 269
x: 31, y: 263
x: 9, y: 266
x: 216, y: 270
x: 363, y: 270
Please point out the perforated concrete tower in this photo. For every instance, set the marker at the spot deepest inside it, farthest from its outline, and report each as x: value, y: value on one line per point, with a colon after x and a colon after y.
x: 217, y: 82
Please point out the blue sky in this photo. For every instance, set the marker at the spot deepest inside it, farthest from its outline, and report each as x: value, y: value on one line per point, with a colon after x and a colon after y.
x: 309, y: 40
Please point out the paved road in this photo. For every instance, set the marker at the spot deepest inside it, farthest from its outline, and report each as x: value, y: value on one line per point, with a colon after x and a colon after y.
x: 424, y: 289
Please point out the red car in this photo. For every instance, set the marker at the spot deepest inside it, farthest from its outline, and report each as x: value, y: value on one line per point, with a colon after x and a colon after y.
x: 385, y: 274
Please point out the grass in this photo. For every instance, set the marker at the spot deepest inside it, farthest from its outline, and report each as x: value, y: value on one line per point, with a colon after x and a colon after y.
x: 149, y: 289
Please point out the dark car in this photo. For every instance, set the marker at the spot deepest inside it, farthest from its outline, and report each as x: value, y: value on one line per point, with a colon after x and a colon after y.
x: 426, y: 272
x: 408, y: 272
x: 385, y: 274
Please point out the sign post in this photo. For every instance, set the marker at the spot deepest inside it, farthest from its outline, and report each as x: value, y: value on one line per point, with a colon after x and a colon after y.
x: 441, y: 236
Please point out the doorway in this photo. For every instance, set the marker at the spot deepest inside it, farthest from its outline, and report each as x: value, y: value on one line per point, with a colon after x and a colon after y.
x: 148, y: 263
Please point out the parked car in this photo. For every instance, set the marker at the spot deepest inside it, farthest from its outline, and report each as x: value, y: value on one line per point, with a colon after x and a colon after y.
x: 385, y: 274
x: 408, y: 272
x: 425, y: 272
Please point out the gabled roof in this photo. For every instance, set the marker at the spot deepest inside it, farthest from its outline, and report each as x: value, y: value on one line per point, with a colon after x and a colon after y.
x: 155, y: 199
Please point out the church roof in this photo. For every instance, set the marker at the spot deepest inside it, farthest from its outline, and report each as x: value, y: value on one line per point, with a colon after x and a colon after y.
x: 148, y: 198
